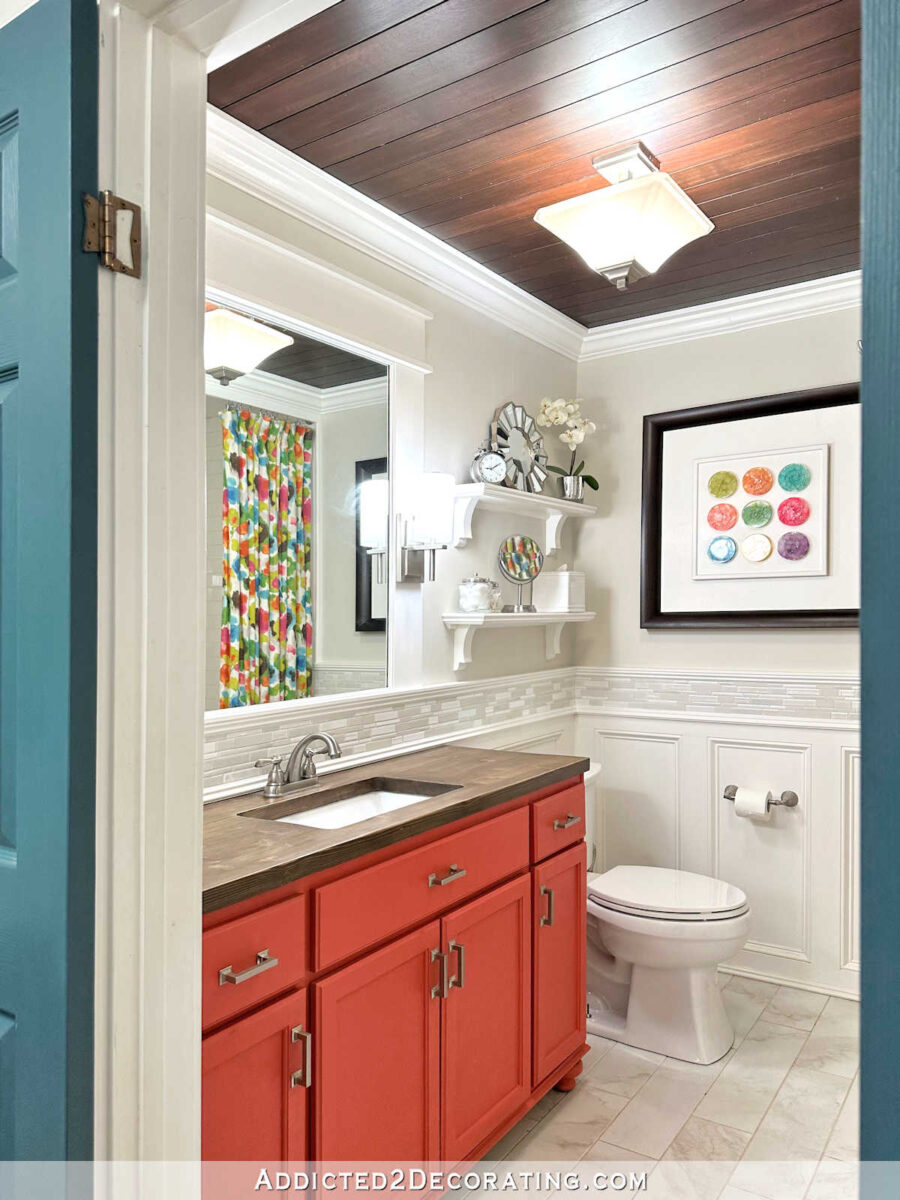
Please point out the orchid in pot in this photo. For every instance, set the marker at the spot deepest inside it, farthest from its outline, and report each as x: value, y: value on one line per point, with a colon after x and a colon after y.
x: 577, y: 428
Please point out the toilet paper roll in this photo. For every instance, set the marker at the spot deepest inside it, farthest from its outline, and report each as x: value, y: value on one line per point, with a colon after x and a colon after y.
x: 752, y: 803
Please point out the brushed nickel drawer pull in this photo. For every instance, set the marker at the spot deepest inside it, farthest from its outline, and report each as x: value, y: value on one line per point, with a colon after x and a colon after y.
x: 440, y: 990
x: 570, y: 820
x: 551, y: 905
x: 458, y: 980
x: 303, y: 1077
x: 264, y: 962
x: 435, y: 880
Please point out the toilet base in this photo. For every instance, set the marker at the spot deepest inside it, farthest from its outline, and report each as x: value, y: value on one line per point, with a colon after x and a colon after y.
x: 678, y: 1013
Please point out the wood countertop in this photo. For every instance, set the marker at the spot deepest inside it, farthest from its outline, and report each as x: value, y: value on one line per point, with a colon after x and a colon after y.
x: 246, y: 855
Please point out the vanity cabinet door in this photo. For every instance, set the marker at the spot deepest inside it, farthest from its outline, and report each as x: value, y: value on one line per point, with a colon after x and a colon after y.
x: 486, y: 1036
x: 256, y: 1076
x: 560, y: 949
x: 377, y: 1037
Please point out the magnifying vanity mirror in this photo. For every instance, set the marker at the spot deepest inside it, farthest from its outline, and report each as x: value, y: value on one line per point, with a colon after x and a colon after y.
x: 520, y: 560
x: 298, y: 472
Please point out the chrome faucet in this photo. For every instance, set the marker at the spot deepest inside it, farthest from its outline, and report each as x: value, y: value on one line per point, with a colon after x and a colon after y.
x: 300, y: 772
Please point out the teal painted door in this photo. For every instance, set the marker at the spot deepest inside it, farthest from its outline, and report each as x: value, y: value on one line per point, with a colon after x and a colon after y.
x: 48, y: 401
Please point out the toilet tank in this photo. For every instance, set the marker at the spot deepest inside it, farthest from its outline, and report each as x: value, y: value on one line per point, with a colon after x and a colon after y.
x: 593, y: 826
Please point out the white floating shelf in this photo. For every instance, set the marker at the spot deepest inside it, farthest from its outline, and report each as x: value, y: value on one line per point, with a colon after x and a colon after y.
x: 553, y: 512
x: 464, y: 626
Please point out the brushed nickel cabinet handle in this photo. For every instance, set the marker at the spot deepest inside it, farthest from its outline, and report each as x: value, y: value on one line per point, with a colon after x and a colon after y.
x: 303, y: 1077
x: 440, y: 990
x: 435, y: 880
x: 570, y: 820
x: 264, y: 962
x: 551, y: 906
x: 458, y: 980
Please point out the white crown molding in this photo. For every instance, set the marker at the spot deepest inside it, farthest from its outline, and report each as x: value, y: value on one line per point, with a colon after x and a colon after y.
x: 818, y: 296
x: 294, y: 399
x: 245, y: 159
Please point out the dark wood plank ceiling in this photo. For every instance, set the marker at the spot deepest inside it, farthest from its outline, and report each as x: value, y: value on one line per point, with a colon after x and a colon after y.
x: 467, y: 115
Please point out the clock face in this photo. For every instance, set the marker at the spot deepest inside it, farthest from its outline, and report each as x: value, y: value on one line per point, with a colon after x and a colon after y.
x: 492, y: 467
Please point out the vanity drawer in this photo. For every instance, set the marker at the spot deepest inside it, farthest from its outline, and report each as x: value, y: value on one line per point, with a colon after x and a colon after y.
x: 238, y: 958
x: 557, y: 821
x: 362, y: 909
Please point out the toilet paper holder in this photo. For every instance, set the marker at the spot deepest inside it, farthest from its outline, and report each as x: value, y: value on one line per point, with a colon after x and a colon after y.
x: 786, y: 799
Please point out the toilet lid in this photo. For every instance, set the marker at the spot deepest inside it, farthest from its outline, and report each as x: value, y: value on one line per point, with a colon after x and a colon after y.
x: 658, y: 890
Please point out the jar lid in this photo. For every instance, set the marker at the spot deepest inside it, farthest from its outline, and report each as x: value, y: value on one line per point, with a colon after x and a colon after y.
x: 475, y: 579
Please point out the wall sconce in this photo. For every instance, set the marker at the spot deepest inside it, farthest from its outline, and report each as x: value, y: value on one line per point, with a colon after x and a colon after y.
x: 428, y: 529
x: 629, y: 229
x: 374, y: 507
x: 233, y: 345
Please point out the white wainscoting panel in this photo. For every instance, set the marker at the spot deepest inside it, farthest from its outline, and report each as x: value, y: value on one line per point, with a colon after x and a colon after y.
x: 850, y: 858
x: 640, y: 816
x: 660, y: 783
x: 768, y: 860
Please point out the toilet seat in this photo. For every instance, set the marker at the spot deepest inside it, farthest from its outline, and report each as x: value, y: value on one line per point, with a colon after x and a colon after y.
x: 660, y: 893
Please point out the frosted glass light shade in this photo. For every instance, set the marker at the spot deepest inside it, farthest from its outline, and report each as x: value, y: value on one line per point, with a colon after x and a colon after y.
x: 233, y: 344
x: 374, y: 505
x: 627, y: 230
x: 431, y: 524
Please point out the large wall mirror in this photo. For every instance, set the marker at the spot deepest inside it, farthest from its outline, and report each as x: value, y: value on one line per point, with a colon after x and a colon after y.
x: 298, y: 503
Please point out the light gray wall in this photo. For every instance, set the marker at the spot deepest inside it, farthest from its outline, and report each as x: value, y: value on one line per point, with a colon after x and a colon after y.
x: 618, y: 391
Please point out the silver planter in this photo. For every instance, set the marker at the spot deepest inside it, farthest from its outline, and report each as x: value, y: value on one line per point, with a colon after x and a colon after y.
x: 573, y: 488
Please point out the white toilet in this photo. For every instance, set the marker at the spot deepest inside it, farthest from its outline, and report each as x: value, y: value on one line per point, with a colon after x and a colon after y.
x: 655, y: 939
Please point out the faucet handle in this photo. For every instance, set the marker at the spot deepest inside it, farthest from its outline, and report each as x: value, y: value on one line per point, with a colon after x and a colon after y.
x: 276, y: 776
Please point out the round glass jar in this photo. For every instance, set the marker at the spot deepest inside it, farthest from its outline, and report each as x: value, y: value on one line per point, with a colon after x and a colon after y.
x: 475, y: 594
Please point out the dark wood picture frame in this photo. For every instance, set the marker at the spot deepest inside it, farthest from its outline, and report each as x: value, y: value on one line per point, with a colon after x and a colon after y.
x: 366, y: 468
x: 656, y: 425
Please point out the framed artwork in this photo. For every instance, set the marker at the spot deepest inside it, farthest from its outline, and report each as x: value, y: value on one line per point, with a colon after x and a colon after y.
x: 750, y: 513
x: 371, y: 593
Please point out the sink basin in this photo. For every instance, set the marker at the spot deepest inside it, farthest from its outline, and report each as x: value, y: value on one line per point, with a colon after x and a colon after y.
x: 350, y: 803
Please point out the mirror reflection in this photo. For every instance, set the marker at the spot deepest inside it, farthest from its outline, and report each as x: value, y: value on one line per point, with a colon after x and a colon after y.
x: 298, y: 501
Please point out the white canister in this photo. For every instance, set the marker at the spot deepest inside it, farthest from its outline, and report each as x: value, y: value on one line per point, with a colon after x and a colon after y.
x: 475, y: 594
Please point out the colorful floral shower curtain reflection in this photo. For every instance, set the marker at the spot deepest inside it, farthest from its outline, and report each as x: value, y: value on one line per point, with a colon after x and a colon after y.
x: 266, y: 642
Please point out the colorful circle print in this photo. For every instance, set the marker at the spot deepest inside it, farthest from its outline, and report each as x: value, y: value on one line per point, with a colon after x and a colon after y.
x: 793, y: 511
x: 793, y: 546
x: 757, y: 481
x: 794, y: 477
x: 722, y: 517
x: 723, y: 484
x: 756, y: 548
x: 757, y: 513
x: 722, y: 549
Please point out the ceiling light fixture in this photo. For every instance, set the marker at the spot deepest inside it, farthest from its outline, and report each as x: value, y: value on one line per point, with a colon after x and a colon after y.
x: 629, y: 229
x: 233, y: 345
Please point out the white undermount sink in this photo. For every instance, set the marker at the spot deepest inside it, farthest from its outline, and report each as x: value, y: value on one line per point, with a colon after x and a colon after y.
x: 337, y: 805
x: 341, y: 813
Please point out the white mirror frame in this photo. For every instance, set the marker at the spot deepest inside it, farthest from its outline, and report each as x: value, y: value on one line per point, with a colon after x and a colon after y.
x: 274, y: 281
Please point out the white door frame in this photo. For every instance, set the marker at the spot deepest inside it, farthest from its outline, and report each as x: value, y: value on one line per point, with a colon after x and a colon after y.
x: 147, y: 1029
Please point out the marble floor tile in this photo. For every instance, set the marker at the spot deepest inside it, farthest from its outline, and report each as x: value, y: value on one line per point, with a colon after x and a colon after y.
x: 748, y: 1083
x: 844, y: 1140
x: 733, y: 1193
x: 794, y: 1007
x: 834, y: 1181
x: 599, y: 1047
x: 758, y: 988
x: 623, y: 1070
x: 775, y: 1169
x: 606, y: 1152
x: 676, y: 1180
x: 805, y: 1109
x: 699, y: 1140
x: 571, y: 1128
x: 743, y: 1011
x: 836, y: 1053
x: 650, y: 1121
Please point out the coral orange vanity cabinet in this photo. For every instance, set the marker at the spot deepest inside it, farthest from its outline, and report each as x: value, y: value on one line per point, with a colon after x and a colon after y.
x: 377, y: 1038
x: 560, y: 949
x: 486, y: 1059
x: 256, y: 1076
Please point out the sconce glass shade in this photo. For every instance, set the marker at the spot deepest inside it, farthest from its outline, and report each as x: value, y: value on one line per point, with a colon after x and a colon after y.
x: 629, y: 229
x: 374, y: 505
x: 233, y: 344
x: 431, y: 525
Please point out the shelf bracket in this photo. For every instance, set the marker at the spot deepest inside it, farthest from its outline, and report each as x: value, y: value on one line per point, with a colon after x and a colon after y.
x: 463, y: 636
x: 463, y: 511
x: 553, y: 638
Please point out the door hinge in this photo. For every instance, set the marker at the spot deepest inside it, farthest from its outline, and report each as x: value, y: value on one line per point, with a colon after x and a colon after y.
x: 112, y: 229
